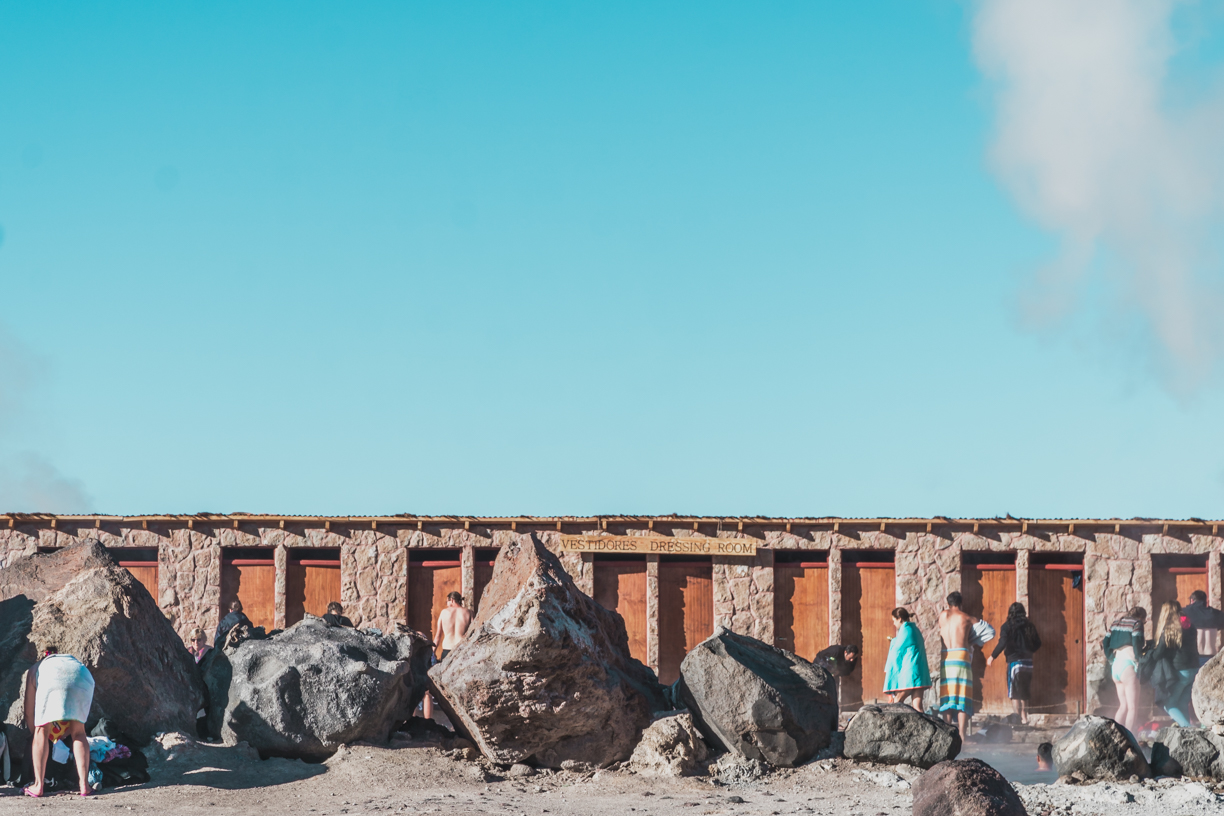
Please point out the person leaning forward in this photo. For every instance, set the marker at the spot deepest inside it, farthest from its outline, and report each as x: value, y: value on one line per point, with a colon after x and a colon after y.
x: 234, y: 618
x: 59, y: 691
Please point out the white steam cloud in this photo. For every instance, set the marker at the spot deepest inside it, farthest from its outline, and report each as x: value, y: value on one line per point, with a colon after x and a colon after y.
x: 1098, y: 146
x: 28, y: 482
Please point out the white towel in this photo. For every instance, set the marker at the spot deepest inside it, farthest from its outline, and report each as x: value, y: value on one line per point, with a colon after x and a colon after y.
x: 64, y: 690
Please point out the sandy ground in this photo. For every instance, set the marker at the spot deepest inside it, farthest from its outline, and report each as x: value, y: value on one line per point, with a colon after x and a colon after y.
x: 195, y: 779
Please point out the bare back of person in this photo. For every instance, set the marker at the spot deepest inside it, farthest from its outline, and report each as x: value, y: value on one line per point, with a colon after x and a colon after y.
x: 955, y: 627
x: 453, y: 623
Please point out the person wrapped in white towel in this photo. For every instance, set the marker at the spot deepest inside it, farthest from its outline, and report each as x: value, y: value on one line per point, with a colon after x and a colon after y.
x: 59, y: 691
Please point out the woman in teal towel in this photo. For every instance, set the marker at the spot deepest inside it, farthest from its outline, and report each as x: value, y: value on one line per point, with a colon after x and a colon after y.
x: 906, y: 674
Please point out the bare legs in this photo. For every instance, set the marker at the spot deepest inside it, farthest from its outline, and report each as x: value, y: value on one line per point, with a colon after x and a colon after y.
x: 41, y: 751
x: 1128, y: 699
x: 1020, y: 707
x: 910, y: 697
x: 80, y: 752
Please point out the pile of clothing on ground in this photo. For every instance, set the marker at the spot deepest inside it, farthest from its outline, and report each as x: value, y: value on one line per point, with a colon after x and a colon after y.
x: 112, y: 762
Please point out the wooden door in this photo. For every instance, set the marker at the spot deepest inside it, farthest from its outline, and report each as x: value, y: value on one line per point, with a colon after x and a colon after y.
x: 145, y: 572
x: 801, y: 607
x: 1175, y: 584
x: 869, y: 595
x: 310, y: 585
x: 686, y: 613
x: 621, y: 587
x: 1056, y: 608
x: 429, y: 582
x: 253, y: 582
x: 988, y: 590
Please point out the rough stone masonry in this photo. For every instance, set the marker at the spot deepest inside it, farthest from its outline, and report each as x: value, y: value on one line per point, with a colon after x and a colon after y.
x: 1117, y: 558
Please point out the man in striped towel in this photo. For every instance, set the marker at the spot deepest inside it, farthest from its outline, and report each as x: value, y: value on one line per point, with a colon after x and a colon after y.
x: 956, y: 669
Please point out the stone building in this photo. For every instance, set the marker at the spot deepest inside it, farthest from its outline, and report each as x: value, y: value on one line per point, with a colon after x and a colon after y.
x: 799, y: 583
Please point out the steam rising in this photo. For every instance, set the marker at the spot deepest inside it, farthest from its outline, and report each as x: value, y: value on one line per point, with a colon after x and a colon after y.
x: 1091, y: 145
x: 28, y: 482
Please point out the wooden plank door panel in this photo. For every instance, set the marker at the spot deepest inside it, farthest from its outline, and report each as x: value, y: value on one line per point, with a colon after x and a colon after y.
x: 987, y: 595
x: 801, y: 609
x: 255, y: 586
x: 1056, y: 608
x: 686, y: 613
x: 621, y: 587
x: 869, y: 595
x: 1172, y: 585
x: 484, y: 574
x: 427, y: 595
x: 309, y: 588
x: 145, y: 572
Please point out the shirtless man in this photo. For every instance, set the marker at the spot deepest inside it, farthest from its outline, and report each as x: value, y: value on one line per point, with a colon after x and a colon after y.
x: 453, y: 623
x: 956, y: 669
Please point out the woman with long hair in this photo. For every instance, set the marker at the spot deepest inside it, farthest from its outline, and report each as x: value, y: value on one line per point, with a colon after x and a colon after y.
x: 1124, y: 646
x: 1018, y: 639
x: 906, y: 674
x: 1177, y: 649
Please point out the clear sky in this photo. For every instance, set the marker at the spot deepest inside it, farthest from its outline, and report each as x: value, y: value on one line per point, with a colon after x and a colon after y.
x: 550, y: 258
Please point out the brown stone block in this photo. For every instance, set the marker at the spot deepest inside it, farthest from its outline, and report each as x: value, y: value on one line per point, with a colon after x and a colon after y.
x: 761, y: 606
x: 742, y: 623
x: 725, y: 609
x: 907, y: 563
x: 1121, y: 572
x: 909, y: 589
x: 763, y: 579
x: 721, y: 592
x: 948, y: 560
x: 1141, y: 579
x: 933, y: 584
x: 1094, y: 598
x: 740, y: 588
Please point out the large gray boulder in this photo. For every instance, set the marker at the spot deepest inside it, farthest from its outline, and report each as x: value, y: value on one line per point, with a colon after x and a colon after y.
x: 1207, y: 694
x: 1194, y: 752
x: 895, y: 734
x: 965, y: 787
x: 79, y: 601
x: 758, y: 701
x: 544, y: 676
x: 305, y: 691
x: 1100, y: 748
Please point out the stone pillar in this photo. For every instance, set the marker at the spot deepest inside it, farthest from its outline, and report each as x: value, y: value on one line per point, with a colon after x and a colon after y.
x: 763, y: 596
x: 1022, y: 576
x: 586, y: 574
x: 652, y: 612
x: 282, y: 575
x: 1214, y: 590
x: 835, y: 595
x: 212, y: 592
x: 467, y: 571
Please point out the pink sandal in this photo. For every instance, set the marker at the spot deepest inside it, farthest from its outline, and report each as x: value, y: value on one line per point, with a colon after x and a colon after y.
x: 28, y: 792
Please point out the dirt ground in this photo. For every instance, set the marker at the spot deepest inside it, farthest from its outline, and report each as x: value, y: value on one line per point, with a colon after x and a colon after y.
x: 198, y: 779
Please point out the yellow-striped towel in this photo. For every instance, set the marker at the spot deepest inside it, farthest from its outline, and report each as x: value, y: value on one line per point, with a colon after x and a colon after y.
x: 956, y: 681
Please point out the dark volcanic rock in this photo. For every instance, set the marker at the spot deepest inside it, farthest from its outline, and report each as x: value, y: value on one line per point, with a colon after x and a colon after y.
x: 1195, y: 752
x: 1207, y: 694
x: 305, y: 691
x: 544, y: 674
x: 965, y: 787
x: 897, y: 734
x: 1099, y: 748
x: 758, y: 701
x: 82, y: 603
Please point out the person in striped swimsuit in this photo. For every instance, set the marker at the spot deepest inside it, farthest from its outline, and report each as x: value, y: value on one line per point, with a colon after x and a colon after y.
x: 956, y: 669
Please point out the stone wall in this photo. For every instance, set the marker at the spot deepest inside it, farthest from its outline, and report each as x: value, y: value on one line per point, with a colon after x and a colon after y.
x: 376, y: 569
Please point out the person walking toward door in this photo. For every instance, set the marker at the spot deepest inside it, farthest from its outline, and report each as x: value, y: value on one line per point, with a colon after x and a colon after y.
x: 1018, y: 639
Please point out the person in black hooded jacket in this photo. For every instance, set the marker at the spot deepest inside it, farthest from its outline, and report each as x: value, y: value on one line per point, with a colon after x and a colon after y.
x: 1173, y: 662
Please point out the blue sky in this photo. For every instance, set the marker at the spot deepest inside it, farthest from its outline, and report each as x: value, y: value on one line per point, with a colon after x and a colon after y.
x: 546, y: 258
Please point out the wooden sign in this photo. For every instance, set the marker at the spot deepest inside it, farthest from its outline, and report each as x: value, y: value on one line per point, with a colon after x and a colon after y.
x: 658, y: 545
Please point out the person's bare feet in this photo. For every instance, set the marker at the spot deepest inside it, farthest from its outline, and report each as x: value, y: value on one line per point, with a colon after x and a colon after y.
x: 31, y: 790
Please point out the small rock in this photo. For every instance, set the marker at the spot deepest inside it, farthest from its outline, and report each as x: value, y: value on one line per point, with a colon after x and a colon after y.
x: 735, y: 800
x: 519, y: 770
x: 965, y: 787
